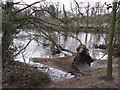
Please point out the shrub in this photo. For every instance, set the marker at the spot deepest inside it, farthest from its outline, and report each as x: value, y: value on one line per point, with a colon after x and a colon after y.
x: 23, y: 76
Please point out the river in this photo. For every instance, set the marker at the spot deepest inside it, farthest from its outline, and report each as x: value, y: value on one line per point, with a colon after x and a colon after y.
x: 35, y: 50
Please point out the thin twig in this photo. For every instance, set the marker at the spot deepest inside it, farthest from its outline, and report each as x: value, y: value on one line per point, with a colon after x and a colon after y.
x: 102, y: 56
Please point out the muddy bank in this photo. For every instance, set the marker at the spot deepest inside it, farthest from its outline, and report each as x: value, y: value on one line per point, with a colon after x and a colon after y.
x: 94, y: 79
x: 21, y: 75
x: 62, y: 63
x: 91, y: 80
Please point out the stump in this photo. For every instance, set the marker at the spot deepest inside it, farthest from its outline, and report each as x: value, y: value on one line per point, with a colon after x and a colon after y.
x: 82, y: 61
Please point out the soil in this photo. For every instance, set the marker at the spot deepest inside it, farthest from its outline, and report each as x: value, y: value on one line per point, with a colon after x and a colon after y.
x: 19, y: 75
x: 62, y: 63
x: 95, y: 78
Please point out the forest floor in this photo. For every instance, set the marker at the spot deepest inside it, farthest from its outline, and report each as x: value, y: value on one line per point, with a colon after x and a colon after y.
x: 19, y: 75
x: 95, y: 79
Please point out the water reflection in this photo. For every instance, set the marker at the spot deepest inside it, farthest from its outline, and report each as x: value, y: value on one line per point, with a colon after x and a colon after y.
x: 0, y: 38
x: 44, y: 49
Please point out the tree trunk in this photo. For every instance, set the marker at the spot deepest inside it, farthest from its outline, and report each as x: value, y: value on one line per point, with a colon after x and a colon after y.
x: 7, y: 29
x: 118, y: 27
x: 110, y: 46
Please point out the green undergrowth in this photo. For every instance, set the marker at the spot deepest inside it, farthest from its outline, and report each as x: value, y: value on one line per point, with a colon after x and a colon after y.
x: 19, y: 75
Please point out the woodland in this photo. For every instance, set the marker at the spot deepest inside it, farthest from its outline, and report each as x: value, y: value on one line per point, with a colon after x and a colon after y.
x: 44, y: 39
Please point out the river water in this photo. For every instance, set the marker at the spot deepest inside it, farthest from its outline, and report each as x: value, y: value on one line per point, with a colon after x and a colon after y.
x: 35, y: 50
x: 41, y: 51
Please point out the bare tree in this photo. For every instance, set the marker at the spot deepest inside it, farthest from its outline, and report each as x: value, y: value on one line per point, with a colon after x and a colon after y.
x: 9, y: 29
x: 111, y: 37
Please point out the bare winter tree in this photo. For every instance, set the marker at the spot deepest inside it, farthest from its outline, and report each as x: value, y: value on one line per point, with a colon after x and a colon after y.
x: 111, y: 37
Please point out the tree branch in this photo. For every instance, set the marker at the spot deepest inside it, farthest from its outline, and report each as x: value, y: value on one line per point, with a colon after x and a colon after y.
x: 26, y: 7
x: 23, y: 48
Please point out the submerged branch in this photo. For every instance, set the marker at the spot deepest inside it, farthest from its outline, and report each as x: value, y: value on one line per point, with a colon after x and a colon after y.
x: 23, y: 48
x: 59, y: 47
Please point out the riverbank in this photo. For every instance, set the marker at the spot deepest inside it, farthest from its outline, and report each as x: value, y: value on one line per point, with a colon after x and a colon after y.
x: 20, y: 75
x: 93, y: 80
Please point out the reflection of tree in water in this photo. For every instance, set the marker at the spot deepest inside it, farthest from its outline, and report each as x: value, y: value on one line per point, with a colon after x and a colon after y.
x: 86, y: 36
x: 97, y: 38
x: 94, y: 38
x: 76, y: 34
x: 58, y: 35
x: 55, y: 37
x: 66, y: 36
x: 70, y: 43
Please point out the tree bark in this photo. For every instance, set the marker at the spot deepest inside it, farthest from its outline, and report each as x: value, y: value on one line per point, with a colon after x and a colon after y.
x: 7, y: 29
x: 110, y: 46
